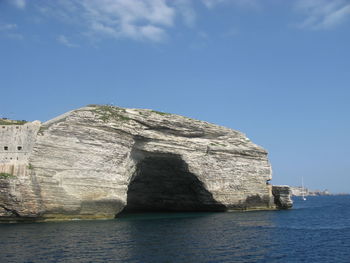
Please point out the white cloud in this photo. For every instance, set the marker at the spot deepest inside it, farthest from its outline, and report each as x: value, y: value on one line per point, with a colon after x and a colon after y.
x: 323, y: 14
x: 64, y: 40
x: 141, y: 20
x: 19, y: 3
x: 152, y: 33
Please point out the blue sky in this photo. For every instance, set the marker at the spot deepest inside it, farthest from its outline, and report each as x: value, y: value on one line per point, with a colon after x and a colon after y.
x: 279, y: 71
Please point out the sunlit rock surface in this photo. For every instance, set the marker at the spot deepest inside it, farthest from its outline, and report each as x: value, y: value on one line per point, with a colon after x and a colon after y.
x: 95, y: 161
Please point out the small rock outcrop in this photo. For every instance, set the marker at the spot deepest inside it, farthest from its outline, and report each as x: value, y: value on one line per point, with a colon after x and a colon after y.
x: 282, y: 195
x: 96, y: 161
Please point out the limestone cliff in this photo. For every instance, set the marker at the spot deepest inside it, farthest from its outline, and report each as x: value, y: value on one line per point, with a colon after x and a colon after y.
x: 95, y: 161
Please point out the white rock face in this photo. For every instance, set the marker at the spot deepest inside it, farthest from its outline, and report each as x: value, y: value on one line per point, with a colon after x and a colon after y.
x: 97, y: 160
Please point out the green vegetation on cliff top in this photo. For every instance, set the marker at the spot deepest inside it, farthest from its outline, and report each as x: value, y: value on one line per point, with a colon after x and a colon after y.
x: 107, y: 112
x: 11, y: 122
x: 110, y: 111
x: 160, y: 113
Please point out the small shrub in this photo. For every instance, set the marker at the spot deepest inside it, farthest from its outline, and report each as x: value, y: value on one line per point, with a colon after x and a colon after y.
x: 6, y: 175
x: 161, y: 113
x: 124, y: 118
x: 106, y: 112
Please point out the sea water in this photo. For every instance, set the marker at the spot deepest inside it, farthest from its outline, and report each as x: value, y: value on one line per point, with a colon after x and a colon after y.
x: 315, y: 230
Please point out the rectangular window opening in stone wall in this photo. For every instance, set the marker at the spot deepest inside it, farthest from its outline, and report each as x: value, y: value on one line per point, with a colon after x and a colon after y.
x: 6, y: 148
x: 19, y: 148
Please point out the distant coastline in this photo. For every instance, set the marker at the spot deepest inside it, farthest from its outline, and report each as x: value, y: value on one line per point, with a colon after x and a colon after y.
x: 300, y: 191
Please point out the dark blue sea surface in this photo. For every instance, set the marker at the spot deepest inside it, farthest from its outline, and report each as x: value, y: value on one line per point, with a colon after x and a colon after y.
x: 316, y: 230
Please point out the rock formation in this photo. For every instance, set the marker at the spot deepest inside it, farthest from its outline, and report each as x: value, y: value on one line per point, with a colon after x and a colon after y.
x: 95, y: 161
x: 282, y: 195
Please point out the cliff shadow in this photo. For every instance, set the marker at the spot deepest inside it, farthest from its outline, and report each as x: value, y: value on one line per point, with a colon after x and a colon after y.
x: 164, y: 183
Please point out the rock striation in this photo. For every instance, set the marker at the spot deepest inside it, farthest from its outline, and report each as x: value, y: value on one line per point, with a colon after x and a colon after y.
x: 96, y: 161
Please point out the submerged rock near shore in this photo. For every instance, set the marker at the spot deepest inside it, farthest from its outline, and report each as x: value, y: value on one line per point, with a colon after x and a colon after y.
x: 97, y: 161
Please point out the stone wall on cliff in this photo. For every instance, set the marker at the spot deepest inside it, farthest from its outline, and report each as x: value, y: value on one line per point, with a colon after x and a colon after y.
x: 17, y: 141
x: 95, y: 161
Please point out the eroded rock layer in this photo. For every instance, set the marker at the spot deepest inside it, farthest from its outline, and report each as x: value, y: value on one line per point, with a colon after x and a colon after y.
x: 95, y: 161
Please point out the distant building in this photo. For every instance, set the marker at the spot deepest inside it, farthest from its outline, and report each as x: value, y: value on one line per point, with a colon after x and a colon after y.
x: 299, y: 191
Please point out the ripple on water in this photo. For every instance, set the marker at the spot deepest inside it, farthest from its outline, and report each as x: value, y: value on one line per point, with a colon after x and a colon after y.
x: 315, y: 231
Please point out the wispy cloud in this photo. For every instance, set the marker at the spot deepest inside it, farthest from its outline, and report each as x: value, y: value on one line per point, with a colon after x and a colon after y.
x: 152, y: 20
x: 323, y: 14
x: 232, y: 32
x: 185, y: 9
x: 64, y: 41
x: 16, y: 36
x: 141, y: 20
x: 243, y: 3
x: 10, y: 31
x: 145, y: 20
x: 18, y: 3
x: 7, y: 27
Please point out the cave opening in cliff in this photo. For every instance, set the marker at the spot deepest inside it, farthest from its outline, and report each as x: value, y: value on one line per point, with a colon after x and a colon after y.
x: 164, y: 183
